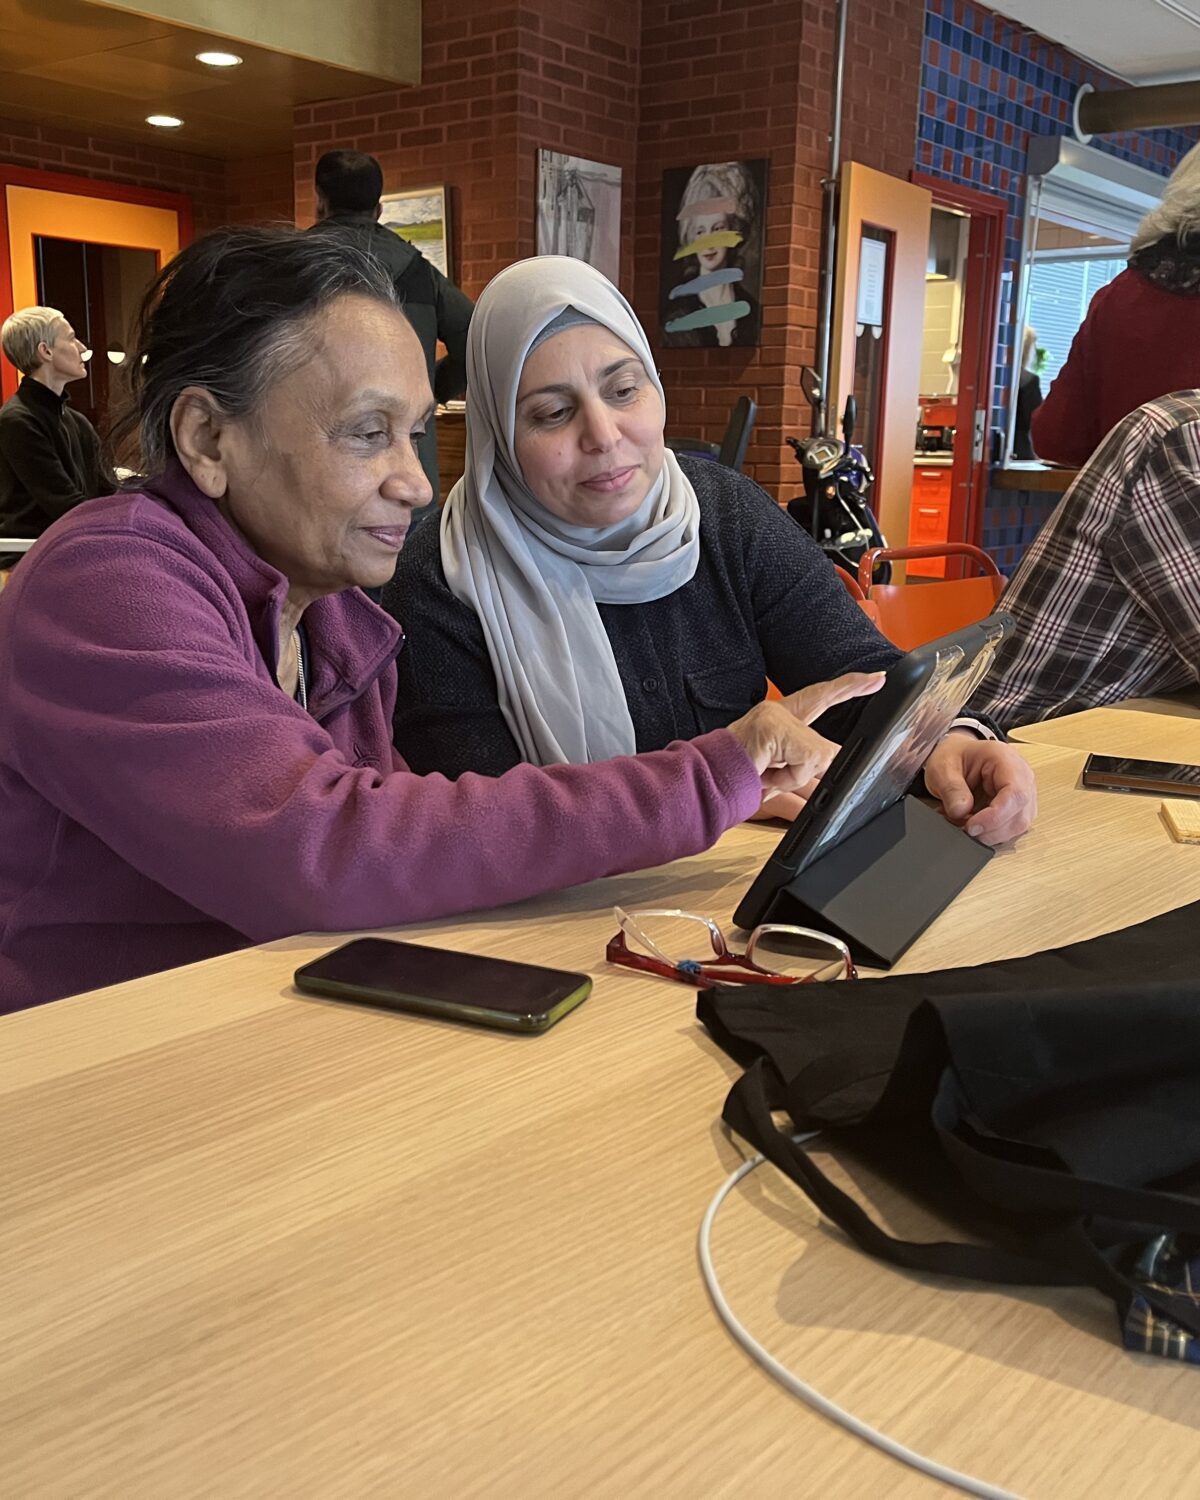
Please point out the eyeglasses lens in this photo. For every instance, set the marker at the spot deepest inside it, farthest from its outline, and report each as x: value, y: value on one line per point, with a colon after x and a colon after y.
x: 675, y: 938
x: 798, y: 957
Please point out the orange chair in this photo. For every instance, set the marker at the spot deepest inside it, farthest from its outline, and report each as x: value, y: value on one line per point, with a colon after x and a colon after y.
x: 851, y: 585
x: 910, y: 614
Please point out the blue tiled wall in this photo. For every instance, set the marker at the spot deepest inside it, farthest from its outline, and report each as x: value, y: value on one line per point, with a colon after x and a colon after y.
x: 1011, y: 520
x: 987, y: 85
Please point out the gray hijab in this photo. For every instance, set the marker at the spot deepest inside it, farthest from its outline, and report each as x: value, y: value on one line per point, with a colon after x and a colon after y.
x: 534, y: 580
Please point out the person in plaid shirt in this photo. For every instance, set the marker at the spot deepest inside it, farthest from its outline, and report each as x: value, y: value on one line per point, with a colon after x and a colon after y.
x: 1107, y: 600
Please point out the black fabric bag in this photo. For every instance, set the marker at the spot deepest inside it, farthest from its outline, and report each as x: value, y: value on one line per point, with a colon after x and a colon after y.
x: 1050, y: 1105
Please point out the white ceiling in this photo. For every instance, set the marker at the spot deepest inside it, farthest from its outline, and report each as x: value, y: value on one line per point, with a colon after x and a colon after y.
x: 1144, y: 41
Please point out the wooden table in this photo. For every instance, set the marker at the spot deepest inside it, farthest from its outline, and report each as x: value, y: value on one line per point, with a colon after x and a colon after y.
x: 257, y: 1245
x: 1145, y: 728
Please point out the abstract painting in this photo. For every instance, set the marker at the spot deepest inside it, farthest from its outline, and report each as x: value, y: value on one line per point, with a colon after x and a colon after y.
x: 422, y: 217
x: 713, y: 218
x: 579, y: 211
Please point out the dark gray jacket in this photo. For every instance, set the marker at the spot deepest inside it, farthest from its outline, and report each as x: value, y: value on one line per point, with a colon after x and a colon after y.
x: 50, y: 460
x: 764, y: 602
x: 434, y: 306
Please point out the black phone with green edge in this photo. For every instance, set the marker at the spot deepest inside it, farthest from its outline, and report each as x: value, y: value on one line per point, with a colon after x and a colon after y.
x: 438, y: 982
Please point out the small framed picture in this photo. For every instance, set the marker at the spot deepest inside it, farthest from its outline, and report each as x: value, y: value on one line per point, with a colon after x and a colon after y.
x: 422, y: 217
x: 579, y: 211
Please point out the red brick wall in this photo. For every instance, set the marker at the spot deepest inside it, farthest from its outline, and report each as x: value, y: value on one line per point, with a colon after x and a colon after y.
x: 641, y: 84
x: 646, y: 85
x: 498, y: 82
x: 460, y: 126
x: 720, y: 83
x: 259, y: 188
x: 42, y: 146
x: 579, y: 95
x: 883, y: 84
x: 754, y: 78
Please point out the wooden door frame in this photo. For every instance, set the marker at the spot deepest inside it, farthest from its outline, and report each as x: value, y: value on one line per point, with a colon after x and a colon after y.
x: 979, y: 338
x: 87, y: 187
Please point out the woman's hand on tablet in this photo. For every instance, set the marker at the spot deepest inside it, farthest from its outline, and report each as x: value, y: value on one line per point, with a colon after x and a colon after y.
x: 983, y: 785
x: 787, y: 753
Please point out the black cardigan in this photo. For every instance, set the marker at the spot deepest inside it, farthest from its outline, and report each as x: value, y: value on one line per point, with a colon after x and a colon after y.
x: 50, y: 460
x: 764, y: 602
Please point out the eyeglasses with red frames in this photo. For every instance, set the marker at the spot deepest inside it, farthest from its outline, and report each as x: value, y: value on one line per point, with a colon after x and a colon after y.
x: 652, y: 940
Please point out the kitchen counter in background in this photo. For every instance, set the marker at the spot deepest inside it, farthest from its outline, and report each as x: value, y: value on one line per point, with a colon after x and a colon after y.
x: 1033, y: 476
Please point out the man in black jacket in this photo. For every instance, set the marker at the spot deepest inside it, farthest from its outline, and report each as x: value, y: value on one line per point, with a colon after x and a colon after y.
x: 50, y: 455
x: 349, y: 187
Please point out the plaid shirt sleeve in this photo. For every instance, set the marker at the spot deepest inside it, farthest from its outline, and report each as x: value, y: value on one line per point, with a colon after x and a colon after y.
x: 1106, y: 602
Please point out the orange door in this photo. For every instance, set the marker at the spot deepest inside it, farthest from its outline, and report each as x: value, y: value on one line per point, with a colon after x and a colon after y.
x: 37, y: 205
x: 879, y: 309
x: 972, y: 416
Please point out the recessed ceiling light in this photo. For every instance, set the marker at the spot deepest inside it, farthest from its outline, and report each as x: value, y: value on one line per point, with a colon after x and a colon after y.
x: 164, y: 122
x: 218, y: 59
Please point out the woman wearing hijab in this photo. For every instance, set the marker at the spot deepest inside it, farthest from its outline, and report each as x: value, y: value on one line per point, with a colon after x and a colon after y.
x: 589, y: 594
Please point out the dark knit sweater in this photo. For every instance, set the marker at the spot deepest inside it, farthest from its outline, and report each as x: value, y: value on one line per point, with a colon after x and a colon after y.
x: 50, y: 460
x: 764, y: 602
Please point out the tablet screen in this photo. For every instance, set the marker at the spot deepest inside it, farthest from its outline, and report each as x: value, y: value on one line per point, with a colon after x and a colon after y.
x: 888, y: 773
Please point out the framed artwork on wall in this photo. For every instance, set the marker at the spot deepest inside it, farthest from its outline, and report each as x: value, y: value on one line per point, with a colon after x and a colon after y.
x: 422, y: 217
x: 579, y: 211
x: 713, y: 221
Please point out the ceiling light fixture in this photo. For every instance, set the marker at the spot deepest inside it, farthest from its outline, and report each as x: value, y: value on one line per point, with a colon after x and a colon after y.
x: 219, y: 59
x: 164, y: 122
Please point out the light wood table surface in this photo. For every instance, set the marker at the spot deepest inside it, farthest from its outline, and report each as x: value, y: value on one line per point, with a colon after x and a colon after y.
x: 1145, y: 728
x: 258, y: 1245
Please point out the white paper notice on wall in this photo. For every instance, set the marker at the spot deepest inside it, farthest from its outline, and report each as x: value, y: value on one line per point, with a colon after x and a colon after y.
x: 872, y: 278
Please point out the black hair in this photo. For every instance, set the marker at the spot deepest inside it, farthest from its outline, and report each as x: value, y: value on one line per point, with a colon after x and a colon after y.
x: 229, y: 314
x: 351, y: 182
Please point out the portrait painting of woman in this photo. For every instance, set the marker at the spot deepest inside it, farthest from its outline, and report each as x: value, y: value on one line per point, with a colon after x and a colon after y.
x: 712, y: 254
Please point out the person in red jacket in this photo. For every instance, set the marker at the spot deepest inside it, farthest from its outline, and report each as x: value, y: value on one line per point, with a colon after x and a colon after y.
x: 1141, y: 337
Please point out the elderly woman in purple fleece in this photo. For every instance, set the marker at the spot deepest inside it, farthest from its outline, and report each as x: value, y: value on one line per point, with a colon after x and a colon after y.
x: 196, y: 696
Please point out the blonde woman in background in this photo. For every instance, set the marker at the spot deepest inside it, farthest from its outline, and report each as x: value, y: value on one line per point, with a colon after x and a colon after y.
x: 1029, y: 396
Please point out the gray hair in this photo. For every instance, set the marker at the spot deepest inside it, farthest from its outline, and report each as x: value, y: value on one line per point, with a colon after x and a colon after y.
x: 232, y: 314
x: 1179, y: 212
x: 24, y: 331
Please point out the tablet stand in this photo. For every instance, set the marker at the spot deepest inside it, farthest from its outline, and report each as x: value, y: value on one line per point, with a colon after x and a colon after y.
x: 879, y: 889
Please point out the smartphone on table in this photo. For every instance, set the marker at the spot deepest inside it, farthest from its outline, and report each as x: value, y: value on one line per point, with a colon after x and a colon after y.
x: 1165, y: 778
x: 439, y: 982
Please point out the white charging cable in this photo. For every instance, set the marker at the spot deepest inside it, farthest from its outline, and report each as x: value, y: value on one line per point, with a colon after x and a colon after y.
x: 798, y: 1387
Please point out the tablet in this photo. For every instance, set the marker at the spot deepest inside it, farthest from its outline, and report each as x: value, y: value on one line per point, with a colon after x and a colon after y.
x: 898, y: 727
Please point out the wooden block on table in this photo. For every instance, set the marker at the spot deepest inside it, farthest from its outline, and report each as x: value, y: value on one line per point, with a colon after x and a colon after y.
x: 1183, y: 821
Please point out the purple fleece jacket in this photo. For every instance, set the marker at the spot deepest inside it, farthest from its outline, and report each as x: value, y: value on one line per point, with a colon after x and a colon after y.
x: 162, y: 801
